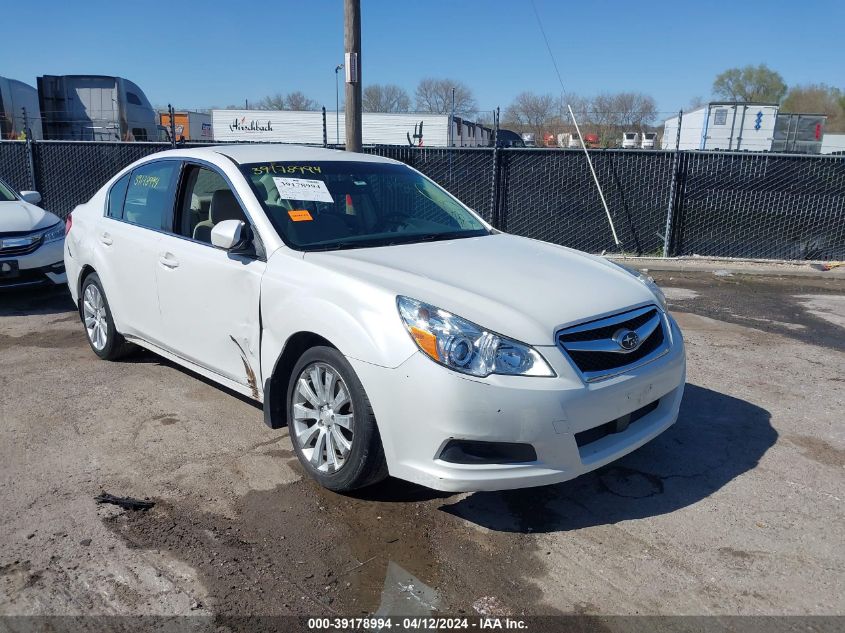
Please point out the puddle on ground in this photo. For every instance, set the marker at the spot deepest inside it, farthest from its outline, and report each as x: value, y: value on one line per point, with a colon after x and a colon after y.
x: 678, y: 294
x: 300, y: 549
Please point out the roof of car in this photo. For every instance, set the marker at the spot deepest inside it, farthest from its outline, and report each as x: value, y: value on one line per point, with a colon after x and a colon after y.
x: 266, y: 152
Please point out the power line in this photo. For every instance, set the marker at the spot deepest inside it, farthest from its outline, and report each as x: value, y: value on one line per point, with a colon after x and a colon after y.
x: 549, y: 48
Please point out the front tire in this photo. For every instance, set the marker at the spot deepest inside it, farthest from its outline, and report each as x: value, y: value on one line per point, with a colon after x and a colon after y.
x: 331, y: 422
x: 104, y: 339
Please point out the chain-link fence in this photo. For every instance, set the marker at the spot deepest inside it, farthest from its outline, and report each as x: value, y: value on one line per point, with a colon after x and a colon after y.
x: 69, y: 173
x: 719, y: 204
x: 15, y: 166
x: 550, y: 195
x: 771, y: 206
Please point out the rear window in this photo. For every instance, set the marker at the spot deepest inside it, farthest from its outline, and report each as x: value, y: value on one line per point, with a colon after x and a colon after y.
x: 149, y: 196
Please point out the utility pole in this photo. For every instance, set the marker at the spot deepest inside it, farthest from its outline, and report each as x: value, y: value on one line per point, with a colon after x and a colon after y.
x: 352, y: 46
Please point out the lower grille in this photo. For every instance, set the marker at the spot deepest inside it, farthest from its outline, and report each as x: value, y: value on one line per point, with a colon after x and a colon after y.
x: 614, y: 426
x: 613, y: 345
x: 28, y: 277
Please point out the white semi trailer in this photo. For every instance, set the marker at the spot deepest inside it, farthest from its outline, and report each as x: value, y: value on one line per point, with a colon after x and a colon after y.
x: 378, y: 128
x: 724, y: 126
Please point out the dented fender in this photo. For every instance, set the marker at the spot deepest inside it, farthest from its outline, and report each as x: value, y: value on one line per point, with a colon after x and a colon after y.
x: 359, y: 319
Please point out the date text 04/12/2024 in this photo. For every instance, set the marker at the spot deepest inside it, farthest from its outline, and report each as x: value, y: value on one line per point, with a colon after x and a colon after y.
x: 416, y: 624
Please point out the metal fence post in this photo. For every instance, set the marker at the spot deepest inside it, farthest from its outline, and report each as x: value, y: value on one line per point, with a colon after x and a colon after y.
x: 29, y: 151
x: 325, y: 131
x: 171, y: 112
x: 673, y: 185
x: 494, y: 188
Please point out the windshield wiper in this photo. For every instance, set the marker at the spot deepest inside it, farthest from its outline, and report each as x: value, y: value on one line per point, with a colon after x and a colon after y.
x: 437, y: 237
x: 395, y: 241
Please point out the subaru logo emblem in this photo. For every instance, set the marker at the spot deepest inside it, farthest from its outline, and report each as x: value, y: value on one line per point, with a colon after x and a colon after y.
x: 628, y: 340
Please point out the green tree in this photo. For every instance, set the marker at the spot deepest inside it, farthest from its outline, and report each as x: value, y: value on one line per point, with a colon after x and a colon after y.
x: 750, y: 83
x: 817, y: 99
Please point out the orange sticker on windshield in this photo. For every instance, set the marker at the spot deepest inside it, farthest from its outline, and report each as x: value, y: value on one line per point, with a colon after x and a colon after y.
x: 300, y: 215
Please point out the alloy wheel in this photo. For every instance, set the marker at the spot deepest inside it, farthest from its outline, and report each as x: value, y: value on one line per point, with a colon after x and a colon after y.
x: 322, y: 415
x: 94, y: 315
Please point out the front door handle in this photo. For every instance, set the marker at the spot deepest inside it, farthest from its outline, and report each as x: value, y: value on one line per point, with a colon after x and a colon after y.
x: 168, y: 260
x: 106, y: 239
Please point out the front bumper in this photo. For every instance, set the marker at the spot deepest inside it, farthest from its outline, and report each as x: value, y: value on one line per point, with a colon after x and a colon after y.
x: 420, y: 406
x: 43, y: 266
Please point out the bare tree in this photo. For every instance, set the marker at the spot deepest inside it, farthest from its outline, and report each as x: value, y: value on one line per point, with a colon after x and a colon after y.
x: 291, y: 101
x: 435, y: 95
x: 385, y: 98
x: 633, y: 109
x: 533, y: 113
x: 695, y: 103
x: 271, y: 102
x: 750, y: 83
x: 298, y: 101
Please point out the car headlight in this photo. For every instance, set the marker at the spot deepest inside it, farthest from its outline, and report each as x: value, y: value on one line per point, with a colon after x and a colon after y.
x: 466, y: 347
x: 55, y: 233
x: 647, y: 280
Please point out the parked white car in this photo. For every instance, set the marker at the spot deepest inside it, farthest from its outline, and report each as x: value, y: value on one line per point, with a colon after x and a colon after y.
x: 385, y: 323
x: 630, y: 140
x: 31, y: 252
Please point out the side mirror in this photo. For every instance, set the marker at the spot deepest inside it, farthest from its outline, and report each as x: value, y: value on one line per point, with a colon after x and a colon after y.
x: 229, y: 234
x: 32, y: 197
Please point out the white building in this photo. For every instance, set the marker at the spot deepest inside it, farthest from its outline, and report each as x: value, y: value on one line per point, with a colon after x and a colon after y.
x: 378, y: 128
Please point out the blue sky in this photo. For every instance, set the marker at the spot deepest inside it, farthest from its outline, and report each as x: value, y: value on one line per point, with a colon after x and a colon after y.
x: 219, y: 53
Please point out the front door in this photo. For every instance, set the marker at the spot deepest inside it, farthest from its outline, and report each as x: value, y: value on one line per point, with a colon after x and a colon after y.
x: 209, y: 298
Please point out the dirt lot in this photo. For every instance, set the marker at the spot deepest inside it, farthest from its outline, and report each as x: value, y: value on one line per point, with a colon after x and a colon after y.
x: 737, y: 509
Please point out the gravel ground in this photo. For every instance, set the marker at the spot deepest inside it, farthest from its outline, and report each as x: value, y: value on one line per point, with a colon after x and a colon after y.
x: 737, y: 509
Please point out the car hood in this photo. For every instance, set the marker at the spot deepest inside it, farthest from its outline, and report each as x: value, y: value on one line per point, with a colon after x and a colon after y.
x: 19, y: 216
x: 518, y: 287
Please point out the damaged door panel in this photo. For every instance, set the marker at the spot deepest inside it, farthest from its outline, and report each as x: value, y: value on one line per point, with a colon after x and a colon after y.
x: 209, y: 308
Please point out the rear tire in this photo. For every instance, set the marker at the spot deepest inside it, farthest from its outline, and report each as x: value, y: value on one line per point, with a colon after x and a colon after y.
x: 331, y: 422
x: 104, y: 339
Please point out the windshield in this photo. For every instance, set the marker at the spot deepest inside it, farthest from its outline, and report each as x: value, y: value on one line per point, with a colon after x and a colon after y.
x: 6, y: 194
x: 343, y: 204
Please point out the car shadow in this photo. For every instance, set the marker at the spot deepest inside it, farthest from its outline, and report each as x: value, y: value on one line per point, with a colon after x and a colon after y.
x: 141, y: 356
x: 393, y: 490
x: 716, y: 439
x: 33, y: 301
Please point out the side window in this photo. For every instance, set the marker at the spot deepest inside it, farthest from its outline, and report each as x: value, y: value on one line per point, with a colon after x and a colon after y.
x: 206, y: 200
x: 134, y: 99
x: 117, y: 194
x: 149, y: 196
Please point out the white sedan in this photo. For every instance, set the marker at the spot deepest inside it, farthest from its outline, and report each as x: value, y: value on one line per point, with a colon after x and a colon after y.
x: 386, y: 324
x: 31, y: 252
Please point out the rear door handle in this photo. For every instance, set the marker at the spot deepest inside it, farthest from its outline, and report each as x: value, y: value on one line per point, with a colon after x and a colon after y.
x: 168, y: 260
x: 106, y: 239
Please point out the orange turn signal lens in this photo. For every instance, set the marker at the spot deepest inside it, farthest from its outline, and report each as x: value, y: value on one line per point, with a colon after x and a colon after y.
x: 427, y: 342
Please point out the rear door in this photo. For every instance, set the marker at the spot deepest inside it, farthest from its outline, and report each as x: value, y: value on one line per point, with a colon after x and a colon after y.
x: 127, y: 240
x: 209, y: 297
